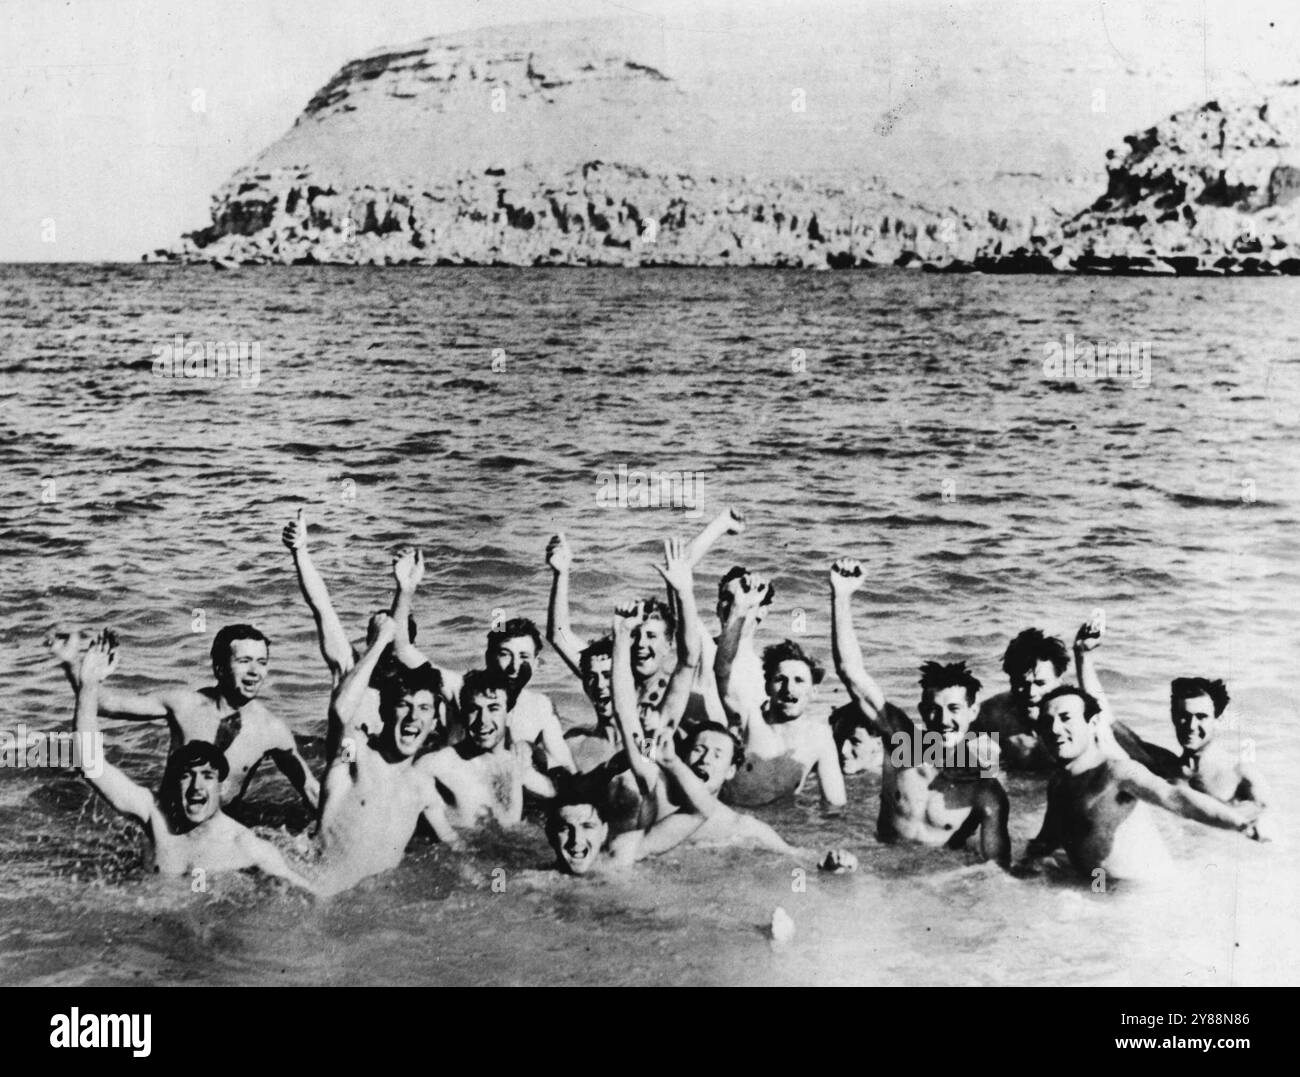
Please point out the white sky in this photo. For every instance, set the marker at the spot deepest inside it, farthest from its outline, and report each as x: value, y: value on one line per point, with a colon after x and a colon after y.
x: 99, y: 132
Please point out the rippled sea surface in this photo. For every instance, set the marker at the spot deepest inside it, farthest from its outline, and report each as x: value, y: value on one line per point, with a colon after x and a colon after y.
x: 914, y: 430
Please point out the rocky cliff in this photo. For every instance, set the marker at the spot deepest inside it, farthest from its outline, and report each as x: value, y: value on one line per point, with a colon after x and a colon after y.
x: 583, y: 150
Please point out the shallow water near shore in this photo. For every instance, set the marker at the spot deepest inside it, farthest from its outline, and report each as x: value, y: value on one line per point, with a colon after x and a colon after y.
x: 913, y: 429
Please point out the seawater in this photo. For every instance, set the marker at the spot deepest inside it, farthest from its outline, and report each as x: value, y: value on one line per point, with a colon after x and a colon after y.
x: 900, y: 418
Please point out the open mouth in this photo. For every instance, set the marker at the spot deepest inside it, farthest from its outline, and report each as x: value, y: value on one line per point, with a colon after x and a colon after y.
x: 196, y: 801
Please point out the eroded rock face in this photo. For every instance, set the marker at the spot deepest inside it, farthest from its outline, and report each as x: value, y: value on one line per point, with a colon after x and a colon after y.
x: 1209, y: 190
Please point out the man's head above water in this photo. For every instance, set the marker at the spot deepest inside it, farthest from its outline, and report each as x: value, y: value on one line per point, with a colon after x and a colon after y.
x: 241, y: 657
x: 410, y: 706
x: 191, y: 784
x: 513, y: 648
x: 577, y: 831
x: 1034, y: 663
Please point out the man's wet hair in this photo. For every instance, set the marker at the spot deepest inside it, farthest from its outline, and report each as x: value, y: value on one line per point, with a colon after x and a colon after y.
x: 194, y: 753
x: 1191, y: 687
x: 515, y: 628
x: 1091, y: 708
x: 1031, y: 647
x: 597, y: 648
x: 226, y: 638
x: 403, y: 681
x: 735, y: 572
x: 936, y: 676
x: 570, y: 798
x: 737, y: 745
x: 789, y: 651
x: 654, y: 606
x: 482, y: 682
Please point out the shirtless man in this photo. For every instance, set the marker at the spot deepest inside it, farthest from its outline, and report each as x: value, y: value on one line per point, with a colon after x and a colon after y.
x: 513, y: 649
x: 1196, y: 706
x: 337, y: 650
x: 1035, y: 664
x: 188, y: 832
x: 1094, y: 799
x: 375, y: 791
x: 578, y: 831
x: 485, y: 774
x: 920, y: 801
x: 785, y: 741
x: 596, y: 744
x: 228, y: 715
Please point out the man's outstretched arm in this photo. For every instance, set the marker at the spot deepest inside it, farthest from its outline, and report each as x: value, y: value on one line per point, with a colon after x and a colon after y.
x: 846, y: 576
x: 293, y: 766
x: 65, y: 645
x: 347, y: 698
x: 559, y: 632
x: 333, y: 640
x: 408, y: 571
x: 1183, y: 801
x: 119, y: 790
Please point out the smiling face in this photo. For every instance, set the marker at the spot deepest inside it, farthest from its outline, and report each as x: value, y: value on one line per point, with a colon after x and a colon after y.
x: 245, y: 671
x: 515, y: 657
x: 1030, y: 685
x: 413, y: 718
x: 597, y: 682
x: 1063, y: 728
x: 713, y: 759
x: 200, y: 793
x: 577, y: 836
x: 790, y: 689
x: 485, y: 718
x: 1194, y: 722
x: 948, y: 712
x: 650, y: 647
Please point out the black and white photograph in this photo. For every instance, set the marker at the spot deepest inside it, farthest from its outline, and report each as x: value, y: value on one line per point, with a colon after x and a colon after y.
x: 785, y: 493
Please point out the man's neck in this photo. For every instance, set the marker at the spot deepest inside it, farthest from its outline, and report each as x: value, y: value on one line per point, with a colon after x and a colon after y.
x: 1089, y: 759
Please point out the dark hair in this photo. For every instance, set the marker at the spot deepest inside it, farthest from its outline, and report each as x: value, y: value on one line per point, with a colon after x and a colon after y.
x: 403, y: 681
x: 597, y: 648
x: 789, y: 651
x: 515, y: 628
x: 223, y: 643
x: 480, y: 682
x: 735, y: 572
x: 571, y: 800
x: 1031, y: 647
x: 194, y: 753
x: 936, y: 676
x: 1191, y: 687
x: 737, y: 746
x: 1091, y: 708
x: 655, y: 606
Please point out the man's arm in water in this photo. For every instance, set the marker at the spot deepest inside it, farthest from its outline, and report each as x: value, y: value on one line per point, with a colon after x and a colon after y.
x: 346, y: 701
x: 627, y: 616
x: 65, y: 645
x: 269, y: 859
x: 676, y: 571
x: 119, y: 790
x: 846, y: 576
x: 334, y: 645
x: 435, y: 808
x: 1179, y: 799
x: 559, y: 633
x: 293, y: 766
x: 747, y: 594
x: 1049, y: 837
x: 557, y: 748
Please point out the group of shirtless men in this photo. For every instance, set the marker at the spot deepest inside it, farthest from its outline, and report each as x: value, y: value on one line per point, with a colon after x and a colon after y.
x: 686, y: 729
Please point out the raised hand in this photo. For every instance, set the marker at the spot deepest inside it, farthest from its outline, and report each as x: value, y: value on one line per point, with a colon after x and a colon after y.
x: 100, y: 658
x: 847, y: 576
x: 676, y: 569
x: 558, y: 555
x: 734, y: 520
x: 382, y: 626
x: 747, y: 592
x: 65, y: 644
x: 1091, y: 632
x: 408, y: 568
x: 627, y: 616
x: 294, y: 534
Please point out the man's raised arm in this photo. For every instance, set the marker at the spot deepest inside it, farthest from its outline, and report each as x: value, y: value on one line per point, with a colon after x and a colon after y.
x: 627, y: 616
x: 347, y: 698
x: 333, y: 640
x: 846, y: 576
x: 676, y: 571
x: 747, y: 593
x: 119, y: 790
x: 559, y: 632
x: 408, y: 571
x: 65, y: 645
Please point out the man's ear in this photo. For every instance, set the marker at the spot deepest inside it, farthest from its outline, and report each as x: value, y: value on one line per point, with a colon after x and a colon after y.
x: 731, y: 772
